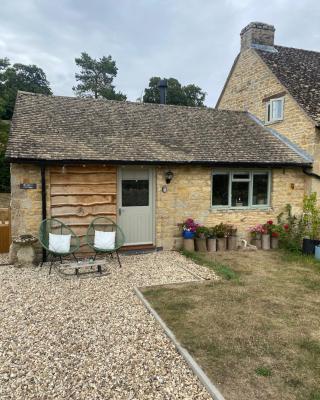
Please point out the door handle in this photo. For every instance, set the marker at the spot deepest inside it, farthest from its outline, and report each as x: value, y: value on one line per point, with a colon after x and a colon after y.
x: 119, y: 211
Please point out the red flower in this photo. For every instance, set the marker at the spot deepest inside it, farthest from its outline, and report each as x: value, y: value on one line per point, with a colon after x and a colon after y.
x: 270, y: 222
x: 275, y: 234
x: 286, y: 226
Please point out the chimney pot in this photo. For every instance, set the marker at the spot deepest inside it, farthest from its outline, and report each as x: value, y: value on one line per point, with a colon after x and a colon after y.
x: 257, y: 33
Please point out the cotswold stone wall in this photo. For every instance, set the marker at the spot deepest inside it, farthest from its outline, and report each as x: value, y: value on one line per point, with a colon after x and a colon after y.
x: 26, y: 211
x: 189, y: 195
x: 250, y: 82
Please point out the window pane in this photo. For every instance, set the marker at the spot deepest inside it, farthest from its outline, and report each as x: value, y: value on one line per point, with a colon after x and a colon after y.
x: 240, y: 194
x: 276, y: 109
x: 241, y: 175
x: 135, y: 193
x: 260, y: 189
x: 268, y: 112
x: 220, y: 190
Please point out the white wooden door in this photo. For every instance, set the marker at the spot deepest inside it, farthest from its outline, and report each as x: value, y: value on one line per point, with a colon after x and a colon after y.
x: 135, y: 201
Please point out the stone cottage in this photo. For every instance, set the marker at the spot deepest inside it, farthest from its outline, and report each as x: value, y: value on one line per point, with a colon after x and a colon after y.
x: 281, y: 87
x: 148, y: 166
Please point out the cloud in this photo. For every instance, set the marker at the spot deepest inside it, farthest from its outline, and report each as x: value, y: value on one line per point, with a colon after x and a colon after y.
x: 193, y: 41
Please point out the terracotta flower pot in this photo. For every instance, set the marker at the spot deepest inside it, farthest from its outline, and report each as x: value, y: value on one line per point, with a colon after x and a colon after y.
x: 188, y: 244
x: 274, y: 242
x: 212, y: 245
x: 201, y: 244
x: 232, y: 242
x: 221, y: 244
x: 265, y: 240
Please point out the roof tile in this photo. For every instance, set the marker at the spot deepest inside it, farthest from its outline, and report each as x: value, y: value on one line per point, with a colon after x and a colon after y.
x: 299, y: 71
x: 56, y: 128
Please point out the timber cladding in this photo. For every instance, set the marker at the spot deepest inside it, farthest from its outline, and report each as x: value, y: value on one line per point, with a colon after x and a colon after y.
x: 78, y: 194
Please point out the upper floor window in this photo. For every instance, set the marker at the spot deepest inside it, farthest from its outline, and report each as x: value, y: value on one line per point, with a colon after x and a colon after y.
x: 274, y: 110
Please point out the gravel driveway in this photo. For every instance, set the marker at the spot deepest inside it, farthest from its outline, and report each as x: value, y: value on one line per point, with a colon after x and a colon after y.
x: 90, y: 337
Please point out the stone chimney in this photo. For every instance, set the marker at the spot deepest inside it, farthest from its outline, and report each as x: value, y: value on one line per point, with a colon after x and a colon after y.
x: 257, y: 34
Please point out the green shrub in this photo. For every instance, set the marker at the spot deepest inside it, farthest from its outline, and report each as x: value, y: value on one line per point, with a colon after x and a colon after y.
x: 311, y: 216
x: 297, y: 227
x: 4, y: 167
x: 201, y: 232
x: 221, y: 230
x: 293, y: 230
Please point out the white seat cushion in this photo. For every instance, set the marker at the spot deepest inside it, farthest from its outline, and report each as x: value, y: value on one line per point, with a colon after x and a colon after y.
x: 104, y: 240
x: 59, y: 243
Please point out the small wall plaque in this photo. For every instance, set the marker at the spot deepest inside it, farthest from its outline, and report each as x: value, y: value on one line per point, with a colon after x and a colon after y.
x: 164, y: 189
x: 28, y: 186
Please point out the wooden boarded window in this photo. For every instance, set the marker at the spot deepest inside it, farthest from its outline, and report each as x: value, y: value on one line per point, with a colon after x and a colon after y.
x: 78, y: 194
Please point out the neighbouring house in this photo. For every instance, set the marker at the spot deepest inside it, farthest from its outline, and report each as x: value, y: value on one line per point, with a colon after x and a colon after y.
x: 148, y: 166
x: 280, y: 86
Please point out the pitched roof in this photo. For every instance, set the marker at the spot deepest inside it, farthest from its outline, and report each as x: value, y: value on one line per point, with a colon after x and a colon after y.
x: 73, y: 129
x: 299, y: 71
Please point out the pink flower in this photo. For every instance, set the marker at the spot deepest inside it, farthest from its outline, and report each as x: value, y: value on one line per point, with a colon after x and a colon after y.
x: 257, y: 229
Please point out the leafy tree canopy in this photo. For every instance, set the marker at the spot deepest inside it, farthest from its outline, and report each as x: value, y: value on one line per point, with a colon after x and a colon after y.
x: 28, y: 78
x: 189, y: 95
x: 4, y: 167
x: 96, y: 77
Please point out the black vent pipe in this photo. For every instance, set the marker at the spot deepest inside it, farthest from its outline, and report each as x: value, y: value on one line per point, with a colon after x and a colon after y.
x: 162, y: 85
x: 43, y: 203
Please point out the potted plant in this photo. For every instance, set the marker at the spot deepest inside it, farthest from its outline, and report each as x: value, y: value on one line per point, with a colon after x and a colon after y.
x: 212, y: 239
x: 275, y: 232
x: 231, y: 237
x: 188, y: 232
x: 201, y: 238
x: 266, y: 234
x: 256, y: 233
x: 221, y: 232
x: 311, y: 219
x: 275, y: 240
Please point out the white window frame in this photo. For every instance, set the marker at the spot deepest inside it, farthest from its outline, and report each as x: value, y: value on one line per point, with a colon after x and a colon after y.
x: 251, y: 173
x: 269, y: 106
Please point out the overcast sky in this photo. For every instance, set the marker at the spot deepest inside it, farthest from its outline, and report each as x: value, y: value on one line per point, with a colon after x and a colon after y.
x: 193, y: 41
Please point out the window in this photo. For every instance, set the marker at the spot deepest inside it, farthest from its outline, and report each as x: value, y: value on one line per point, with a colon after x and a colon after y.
x: 241, y: 189
x: 274, y: 111
x: 135, y: 193
x: 220, y: 194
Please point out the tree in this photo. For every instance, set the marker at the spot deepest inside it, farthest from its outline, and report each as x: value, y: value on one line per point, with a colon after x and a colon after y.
x: 28, y: 78
x: 4, y: 167
x: 190, y: 95
x: 96, y: 77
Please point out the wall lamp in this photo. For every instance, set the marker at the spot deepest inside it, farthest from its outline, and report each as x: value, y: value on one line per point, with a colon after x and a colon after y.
x: 169, y: 176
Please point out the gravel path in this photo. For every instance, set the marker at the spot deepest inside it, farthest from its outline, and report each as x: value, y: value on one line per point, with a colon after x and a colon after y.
x: 91, y: 338
x: 4, y: 258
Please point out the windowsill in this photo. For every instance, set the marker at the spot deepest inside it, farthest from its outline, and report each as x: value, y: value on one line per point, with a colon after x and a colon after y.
x: 240, y: 209
x: 273, y: 122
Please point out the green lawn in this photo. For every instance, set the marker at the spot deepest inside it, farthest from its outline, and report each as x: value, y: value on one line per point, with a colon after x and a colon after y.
x: 256, y: 332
